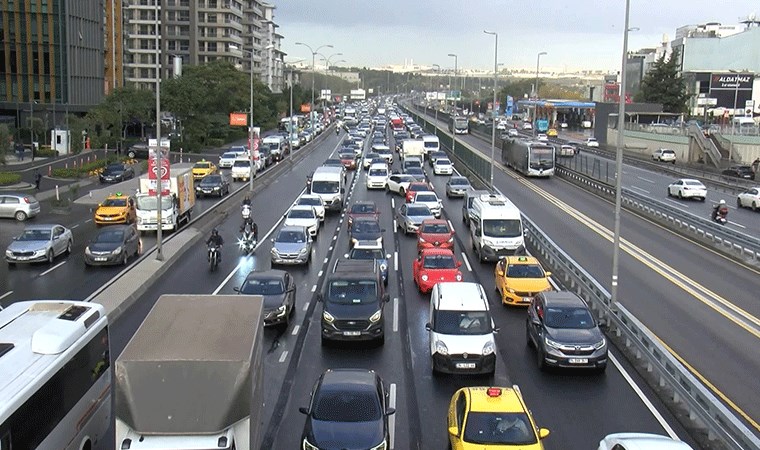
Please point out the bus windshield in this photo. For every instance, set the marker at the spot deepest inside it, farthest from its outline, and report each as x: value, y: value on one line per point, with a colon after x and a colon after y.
x: 541, y: 158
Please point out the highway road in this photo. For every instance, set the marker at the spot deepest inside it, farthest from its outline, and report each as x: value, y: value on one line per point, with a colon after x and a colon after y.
x: 702, y: 305
x: 579, y: 408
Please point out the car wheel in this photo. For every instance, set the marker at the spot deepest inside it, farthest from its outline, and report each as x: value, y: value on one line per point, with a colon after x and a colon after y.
x: 68, y: 248
x: 528, y: 341
x: 381, y: 340
x: 50, y: 256
x: 601, y: 369
x: 124, y: 259
x: 401, y: 192
x: 754, y: 206
x: 540, y: 359
x: 680, y: 195
x: 702, y: 199
x: 669, y: 194
x: 738, y: 203
x: 20, y: 216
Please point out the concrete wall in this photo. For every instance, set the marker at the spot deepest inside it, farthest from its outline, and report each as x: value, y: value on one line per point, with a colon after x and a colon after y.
x: 646, y: 143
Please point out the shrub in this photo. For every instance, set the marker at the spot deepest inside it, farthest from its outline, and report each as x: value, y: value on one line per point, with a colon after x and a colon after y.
x: 8, y: 178
x: 65, y: 173
x: 46, y: 153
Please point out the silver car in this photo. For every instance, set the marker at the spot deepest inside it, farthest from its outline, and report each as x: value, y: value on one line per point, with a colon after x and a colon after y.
x: 409, y: 216
x: 18, y: 206
x: 292, y: 245
x: 40, y: 243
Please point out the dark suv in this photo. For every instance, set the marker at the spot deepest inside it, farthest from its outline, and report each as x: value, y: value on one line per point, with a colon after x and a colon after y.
x: 562, y: 329
x: 353, y: 301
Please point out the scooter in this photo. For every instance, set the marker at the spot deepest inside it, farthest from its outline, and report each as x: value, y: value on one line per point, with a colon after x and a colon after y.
x: 245, y: 211
x: 213, y: 257
x: 720, y: 216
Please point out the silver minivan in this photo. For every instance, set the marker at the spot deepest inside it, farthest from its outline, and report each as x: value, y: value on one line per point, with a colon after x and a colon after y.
x: 18, y: 206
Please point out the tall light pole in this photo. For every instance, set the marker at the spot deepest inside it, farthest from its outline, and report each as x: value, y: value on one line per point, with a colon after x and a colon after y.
x: 327, y: 67
x: 437, y: 103
x: 453, y: 128
x: 619, y: 159
x: 494, y: 113
x: 535, y: 106
x: 159, y: 153
x: 313, y: 75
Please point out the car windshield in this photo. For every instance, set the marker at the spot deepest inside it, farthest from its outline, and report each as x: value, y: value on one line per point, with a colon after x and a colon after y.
x: 367, y: 253
x: 442, y: 162
x: 347, y: 406
x: 502, y: 228
x: 291, y: 237
x: 241, y: 163
x: 419, y: 187
x: 365, y: 226
x: 418, y: 210
x: 439, y: 262
x: 431, y: 144
x: 148, y: 203
x: 301, y: 214
x: 435, y: 228
x: 350, y: 156
x: 352, y: 292
x: 459, y: 182
x: 325, y: 187
x: 426, y: 198
x: 265, y: 286
x: 525, y: 271
x: 201, y: 165
x: 462, y: 322
x: 694, y: 184
x: 412, y: 163
x: 211, y: 180
x: 333, y: 162
x: 229, y: 155
x: 370, y: 156
x: 310, y: 201
x: 363, y: 208
x: 378, y: 172
x: 568, y: 317
x: 121, y: 202
x: 109, y: 236
x: 115, y: 168
x: 498, y: 428
x: 35, y: 235
x: 414, y: 171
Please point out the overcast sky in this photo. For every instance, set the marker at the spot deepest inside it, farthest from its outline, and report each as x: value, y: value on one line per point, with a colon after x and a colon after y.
x: 580, y: 34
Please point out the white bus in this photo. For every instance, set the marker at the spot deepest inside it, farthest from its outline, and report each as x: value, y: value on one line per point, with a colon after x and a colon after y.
x: 55, y: 375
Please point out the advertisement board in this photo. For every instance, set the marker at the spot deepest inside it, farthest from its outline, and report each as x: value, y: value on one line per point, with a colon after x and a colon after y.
x: 238, y: 119
x: 325, y: 94
x: 358, y: 94
x: 731, y: 90
x: 158, y: 158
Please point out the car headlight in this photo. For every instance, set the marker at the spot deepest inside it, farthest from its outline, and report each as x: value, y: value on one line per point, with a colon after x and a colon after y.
x: 275, y: 252
x: 306, y: 445
x: 421, y: 239
x: 375, y: 317
x: 303, y: 251
x: 451, y: 240
x: 488, y: 348
x: 116, y: 251
x: 552, y: 343
x: 87, y: 251
x: 600, y: 345
x: 354, y: 241
x: 381, y: 446
x: 327, y: 317
x: 424, y: 277
x: 459, y: 276
x: 216, y: 188
x: 8, y: 253
x: 510, y: 290
x: 440, y: 348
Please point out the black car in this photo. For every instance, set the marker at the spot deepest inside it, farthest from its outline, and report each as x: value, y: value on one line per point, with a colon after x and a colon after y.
x: 563, y: 331
x: 112, y: 245
x: 265, y: 154
x: 347, y: 409
x: 279, y: 291
x: 365, y: 229
x: 138, y: 151
x: 116, y: 173
x: 744, y: 172
x: 214, y: 184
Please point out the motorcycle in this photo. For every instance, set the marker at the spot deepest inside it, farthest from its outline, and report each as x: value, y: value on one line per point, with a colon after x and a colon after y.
x: 720, y: 215
x: 213, y: 257
x: 248, y: 240
x: 245, y: 211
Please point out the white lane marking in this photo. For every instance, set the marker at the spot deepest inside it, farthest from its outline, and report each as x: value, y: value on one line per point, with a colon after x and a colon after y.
x: 306, y: 306
x: 393, y: 203
x: 736, y: 224
x: 395, y: 227
x: 320, y: 273
x: 88, y: 220
x: 640, y: 189
x: 392, y: 417
x: 466, y: 262
x: 337, y: 229
x: 643, y: 398
x: 326, y: 259
x: 283, y: 356
x: 340, y: 221
x: 395, y: 314
x: 330, y: 249
x: 395, y: 261
x: 335, y: 238
x: 645, y: 179
x: 6, y: 294
x: 52, y: 268
x: 451, y: 227
x: 314, y: 288
x: 74, y: 226
x: 295, y: 330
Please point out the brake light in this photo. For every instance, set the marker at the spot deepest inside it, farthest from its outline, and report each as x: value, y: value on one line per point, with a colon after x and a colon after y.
x: 26, y: 200
x: 494, y: 392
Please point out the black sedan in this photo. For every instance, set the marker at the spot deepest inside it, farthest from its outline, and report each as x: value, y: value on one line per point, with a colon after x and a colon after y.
x: 116, y: 173
x: 112, y: 245
x: 214, y: 184
x: 279, y: 291
x: 347, y: 410
x: 744, y: 172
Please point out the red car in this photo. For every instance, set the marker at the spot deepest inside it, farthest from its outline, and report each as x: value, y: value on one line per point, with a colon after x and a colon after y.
x: 348, y: 160
x: 435, y: 233
x: 414, y: 187
x: 435, y: 265
x: 363, y: 208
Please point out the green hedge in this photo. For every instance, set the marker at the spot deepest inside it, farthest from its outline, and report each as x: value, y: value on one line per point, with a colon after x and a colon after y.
x: 8, y: 178
x: 65, y: 173
x: 85, y: 169
x: 46, y: 153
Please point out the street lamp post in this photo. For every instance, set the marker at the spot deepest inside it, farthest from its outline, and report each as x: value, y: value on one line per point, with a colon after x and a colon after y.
x: 327, y: 68
x: 313, y: 73
x: 437, y: 103
x: 159, y: 153
x: 494, y: 113
x: 535, y: 106
x: 619, y: 160
x: 453, y: 128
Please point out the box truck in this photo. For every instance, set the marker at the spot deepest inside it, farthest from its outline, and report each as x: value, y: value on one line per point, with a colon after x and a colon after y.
x: 177, y: 206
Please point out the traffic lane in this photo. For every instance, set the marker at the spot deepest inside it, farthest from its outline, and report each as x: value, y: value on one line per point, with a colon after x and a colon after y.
x: 550, y: 394
x: 675, y: 315
x: 386, y: 360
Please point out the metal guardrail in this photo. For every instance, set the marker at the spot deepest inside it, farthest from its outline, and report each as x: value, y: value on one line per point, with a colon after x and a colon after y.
x: 705, y: 411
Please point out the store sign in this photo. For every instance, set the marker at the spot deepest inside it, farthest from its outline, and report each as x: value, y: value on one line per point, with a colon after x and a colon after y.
x: 731, y: 81
x: 238, y: 119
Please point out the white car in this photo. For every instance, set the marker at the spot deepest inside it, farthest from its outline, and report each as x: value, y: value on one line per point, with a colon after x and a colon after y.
x: 664, y: 155
x: 749, y: 199
x: 377, y: 176
x: 443, y: 166
x: 227, y: 159
x: 241, y: 169
x: 527, y: 126
x: 429, y: 199
x: 563, y: 125
x: 501, y: 126
x: 512, y: 132
x: 567, y: 150
x: 542, y: 137
x: 592, y: 142
x: 641, y: 441
x: 399, y: 183
x: 315, y: 202
x: 687, y: 188
x: 303, y: 216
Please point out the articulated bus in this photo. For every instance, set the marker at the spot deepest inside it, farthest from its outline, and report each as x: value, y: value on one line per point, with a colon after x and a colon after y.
x: 531, y: 158
x: 55, y: 375
x: 459, y: 125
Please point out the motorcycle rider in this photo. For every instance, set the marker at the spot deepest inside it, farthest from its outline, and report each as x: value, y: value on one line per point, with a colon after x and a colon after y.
x: 247, y: 221
x: 720, y: 210
x: 216, y: 240
x: 247, y: 200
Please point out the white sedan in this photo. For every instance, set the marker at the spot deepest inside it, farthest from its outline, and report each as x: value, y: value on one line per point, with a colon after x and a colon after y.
x: 542, y: 137
x: 749, y: 199
x: 512, y: 132
x: 687, y: 188
x: 303, y: 216
x: 443, y: 166
x: 227, y: 159
x: 592, y: 142
x: 429, y: 199
x: 399, y: 183
x: 315, y: 202
x: 641, y: 441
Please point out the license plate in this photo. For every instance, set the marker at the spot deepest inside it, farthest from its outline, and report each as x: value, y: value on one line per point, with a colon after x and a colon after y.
x: 465, y: 365
x: 100, y: 258
x: 352, y: 333
x: 527, y: 299
x: 578, y: 360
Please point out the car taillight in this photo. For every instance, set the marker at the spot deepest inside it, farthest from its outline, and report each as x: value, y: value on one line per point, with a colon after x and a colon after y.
x: 26, y: 200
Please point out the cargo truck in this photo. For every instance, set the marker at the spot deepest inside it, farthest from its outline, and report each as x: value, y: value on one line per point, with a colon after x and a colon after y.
x: 191, y: 376
x: 413, y: 147
x: 177, y: 206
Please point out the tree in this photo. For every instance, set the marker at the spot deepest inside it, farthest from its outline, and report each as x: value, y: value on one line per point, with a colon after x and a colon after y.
x: 122, y: 107
x: 6, y: 137
x: 663, y: 84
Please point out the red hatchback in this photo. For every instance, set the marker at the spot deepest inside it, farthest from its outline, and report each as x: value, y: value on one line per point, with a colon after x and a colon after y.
x: 435, y: 233
x: 348, y: 160
x: 435, y: 265
x: 414, y: 187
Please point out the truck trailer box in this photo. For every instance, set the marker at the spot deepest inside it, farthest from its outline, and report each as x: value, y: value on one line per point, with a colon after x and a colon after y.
x: 413, y: 147
x: 178, y: 205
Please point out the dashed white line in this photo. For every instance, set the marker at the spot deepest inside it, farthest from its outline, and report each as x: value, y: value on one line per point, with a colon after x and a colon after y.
x: 74, y: 226
x: 640, y: 189
x: 340, y: 221
x: 6, y: 294
x: 320, y: 273
x: 326, y: 259
x: 337, y: 229
x: 52, y: 268
x: 645, y: 179
x: 295, y: 330
x: 736, y: 224
x: 335, y: 237
x: 395, y: 226
x: 392, y: 417
x: 393, y: 202
x: 395, y: 314
x: 306, y: 306
x: 330, y: 249
x: 88, y: 220
x: 466, y: 262
x: 314, y: 288
x: 395, y: 261
x: 283, y: 356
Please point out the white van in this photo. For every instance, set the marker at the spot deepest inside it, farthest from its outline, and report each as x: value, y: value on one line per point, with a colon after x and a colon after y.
x: 461, y: 329
x: 431, y: 143
x: 278, y: 146
x: 328, y: 183
x: 241, y: 169
x: 495, y: 228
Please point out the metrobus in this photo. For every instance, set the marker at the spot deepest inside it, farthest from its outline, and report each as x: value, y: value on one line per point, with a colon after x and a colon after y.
x: 531, y: 158
x: 55, y: 375
x: 459, y: 125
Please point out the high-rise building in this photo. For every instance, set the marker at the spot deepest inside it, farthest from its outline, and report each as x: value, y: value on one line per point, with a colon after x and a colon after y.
x: 113, y: 45
x: 51, y: 58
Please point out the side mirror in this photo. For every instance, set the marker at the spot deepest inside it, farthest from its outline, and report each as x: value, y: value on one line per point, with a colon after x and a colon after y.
x: 388, y: 256
x: 346, y: 256
x: 495, y: 329
x: 453, y: 232
x: 453, y: 431
x: 236, y: 289
x: 291, y: 289
x: 459, y: 263
x: 536, y: 321
x: 499, y: 272
x: 548, y: 274
x: 342, y: 190
x: 390, y: 411
x: 303, y: 410
x: 543, y: 433
x: 428, y: 326
x: 386, y: 297
x: 382, y: 230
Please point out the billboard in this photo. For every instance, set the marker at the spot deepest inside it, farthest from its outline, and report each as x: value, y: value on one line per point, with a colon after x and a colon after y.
x: 731, y: 89
x: 305, y: 107
x: 238, y: 119
x: 358, y: 94
x: 325, y: 94
x: 154, y: 162
x: 510, y: 109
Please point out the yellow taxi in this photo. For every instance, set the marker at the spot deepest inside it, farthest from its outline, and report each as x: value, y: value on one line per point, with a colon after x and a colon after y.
x: 203, y: 168
x: 492, y: 417
x: 519, y: 278
x: 116, y: 208
x: 551, y: 132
